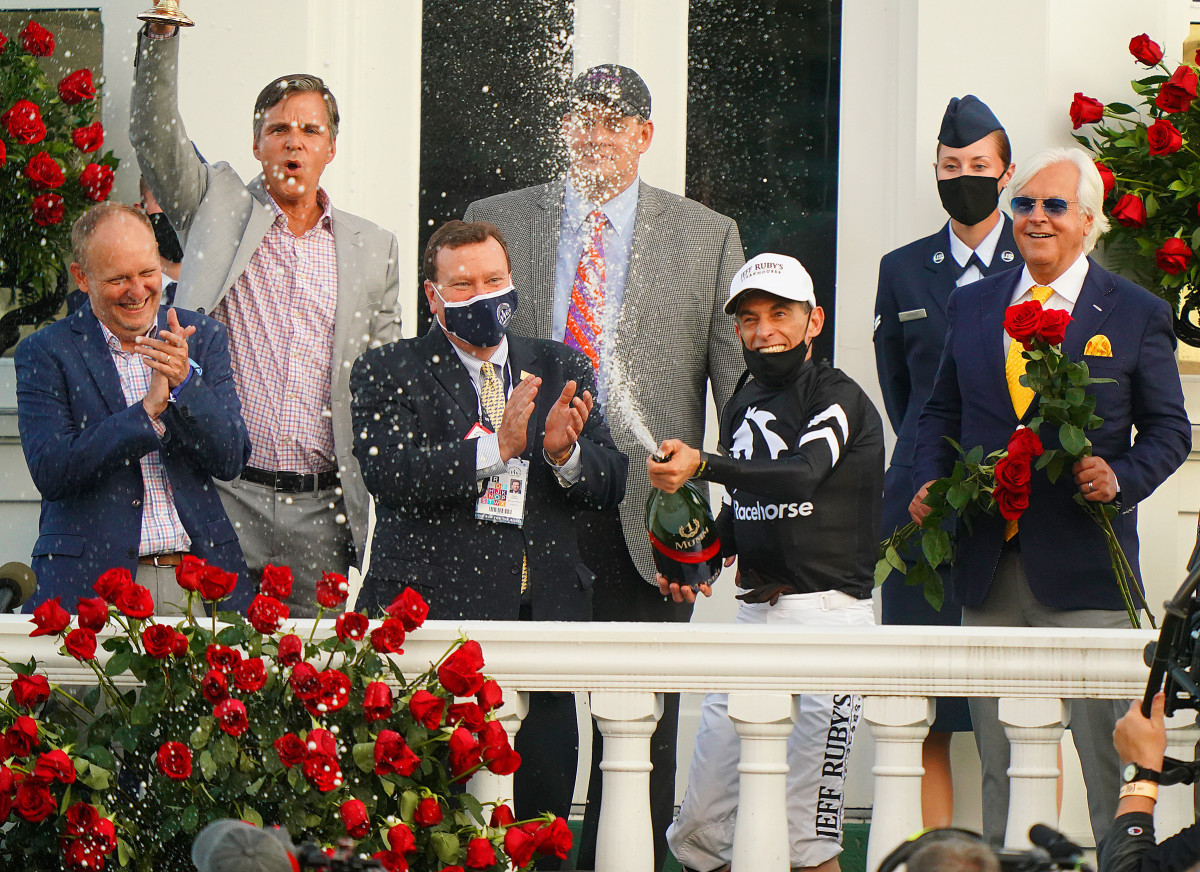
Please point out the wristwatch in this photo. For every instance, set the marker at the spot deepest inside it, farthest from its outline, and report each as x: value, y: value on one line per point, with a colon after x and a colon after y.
x: 1133, y: 772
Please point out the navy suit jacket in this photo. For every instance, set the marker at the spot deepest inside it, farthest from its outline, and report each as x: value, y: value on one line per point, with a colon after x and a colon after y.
x: 917, y: 278
x: 84, y: 444
x: 413, y: 405
x: 1062, y: 549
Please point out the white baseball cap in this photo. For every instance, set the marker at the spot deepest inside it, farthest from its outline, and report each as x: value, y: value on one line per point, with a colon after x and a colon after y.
x: 776, y: 274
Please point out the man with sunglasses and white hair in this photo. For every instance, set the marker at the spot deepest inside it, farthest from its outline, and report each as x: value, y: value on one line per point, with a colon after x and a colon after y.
x: 1054, y: 570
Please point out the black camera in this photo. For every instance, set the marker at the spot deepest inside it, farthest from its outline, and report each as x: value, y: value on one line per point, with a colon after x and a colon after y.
x: 311, y: 856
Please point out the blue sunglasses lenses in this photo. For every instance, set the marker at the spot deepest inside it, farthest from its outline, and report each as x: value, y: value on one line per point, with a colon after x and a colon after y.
x: 1055, y: 206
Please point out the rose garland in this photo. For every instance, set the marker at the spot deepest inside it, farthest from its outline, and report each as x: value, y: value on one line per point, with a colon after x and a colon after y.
x: 249, y: 721
x: 1000, y: 483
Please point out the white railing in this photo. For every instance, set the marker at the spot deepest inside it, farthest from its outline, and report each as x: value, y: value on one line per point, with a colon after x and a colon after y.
x: 626, y: 667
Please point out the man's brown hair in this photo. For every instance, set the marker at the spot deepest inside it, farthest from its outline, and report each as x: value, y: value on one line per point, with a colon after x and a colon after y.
x: 296, y: 83
x: 85, y: 226
x: 456, y: 234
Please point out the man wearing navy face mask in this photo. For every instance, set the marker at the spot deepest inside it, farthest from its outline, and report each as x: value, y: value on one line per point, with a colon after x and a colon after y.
x: 480, y: 448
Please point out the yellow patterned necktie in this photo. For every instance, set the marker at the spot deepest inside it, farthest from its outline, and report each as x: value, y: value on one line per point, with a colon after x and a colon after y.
x: 491, y: 397
x: 1014, y: 368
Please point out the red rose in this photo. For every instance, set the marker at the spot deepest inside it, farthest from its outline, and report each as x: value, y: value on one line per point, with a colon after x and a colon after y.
x: 410, y: 608
x: 401, y: 839
x: 291, y: 749
x: 222, y: 657
x: 465, y: 752
x: 82, y: 819
x: 1024, y: 443
x: 37, y: 40
x: 323, y: 772
x: 81, y: 644
x: 1163, y: 138
x: 391, y: 861
x: 214, y: 686
x: 250, y: 676
x: 21, y: 737
x: 490, y: 696
x: 332, y: 590
x: 429, y: 812
x: 47, y: 209
x: 50, y: 618
x: 83, y: 856
x: 30, y: 690
x: 427, y: 709
x: 216, y: 584
x: 92, y: 613
x: 33, y: 801
x: 44, y: 172
x: 1130, y: 211
x: 112, y: 583
x: 136, y: 602
x: 519, y: 846
x: 351, y: 625
x: 175, y: 760
x: 88, y: 139
x: 181, y: 644
x: 276, y: 581
x: 1013, y: 473
x: 267, y: 614
x: 159, y: 641
x: 392, y: 754
x: 77, y: 87
x: 377, y: 701
x: 498, y: 754
x: 7, y: 782
x: 334, y: 693
x: 1085, y: 110
x: 469, y: 713
x: 24, y: 124
x: 54, y: 766
x: 459, y: 673
x: 189, y: 572
x: 1106, y: 176
x: 1010, y: 503
x: 1178, y: 92
x: 354, y: 818
x: 1022, y: 321
x: 291, y: 649
x: 554, y: 839
x: 3, y: 42
x: 1145, y: 50
x: 97, y: 182
x: 1054, y: 326
x: 305, y: 681
x: 480, y: 854
x: 388, y: 637
x: 3, y: 153
x: 502, y: 816
x: 321, y: 743
x: 231, y: 717
x: 1173, y: 257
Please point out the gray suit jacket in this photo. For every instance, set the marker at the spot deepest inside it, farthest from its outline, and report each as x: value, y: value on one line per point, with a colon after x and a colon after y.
x: 221, y: 221
x: 672, y: 334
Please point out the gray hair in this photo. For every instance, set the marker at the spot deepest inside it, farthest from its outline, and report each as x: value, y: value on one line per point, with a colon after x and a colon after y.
x: 954, y: 854
x: 89, y: 222
x: 1089, y: 192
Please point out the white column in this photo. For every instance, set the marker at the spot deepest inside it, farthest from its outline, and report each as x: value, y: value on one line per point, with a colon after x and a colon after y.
x: 763, y: 721
x: 487, y: 786
x: 624, y: 842
x: 1175, y: 808
x: 899, y: 725
x: 1034, y: 728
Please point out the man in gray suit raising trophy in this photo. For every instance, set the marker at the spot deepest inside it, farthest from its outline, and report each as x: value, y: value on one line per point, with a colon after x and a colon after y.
x: 635, y: 278
x: 304, y: 289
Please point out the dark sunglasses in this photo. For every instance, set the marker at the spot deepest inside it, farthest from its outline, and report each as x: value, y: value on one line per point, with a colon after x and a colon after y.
x: 1055, y: 206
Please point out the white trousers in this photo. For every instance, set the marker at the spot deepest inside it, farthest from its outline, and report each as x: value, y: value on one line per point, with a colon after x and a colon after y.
x: 702, y: 837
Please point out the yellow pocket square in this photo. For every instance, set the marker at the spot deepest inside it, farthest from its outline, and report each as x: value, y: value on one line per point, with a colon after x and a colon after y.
x: 1098, y: 346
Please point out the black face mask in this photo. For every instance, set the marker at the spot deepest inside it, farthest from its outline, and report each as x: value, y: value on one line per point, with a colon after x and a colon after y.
x: 969, y: 199
x: 780, y: 368
x: 164, y: 235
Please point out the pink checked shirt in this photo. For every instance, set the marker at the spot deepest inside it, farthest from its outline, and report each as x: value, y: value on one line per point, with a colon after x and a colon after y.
x: 162, y: 531
x: 280, y: 314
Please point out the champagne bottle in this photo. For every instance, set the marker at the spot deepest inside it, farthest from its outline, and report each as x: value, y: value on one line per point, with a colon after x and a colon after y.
x: 683, y: 536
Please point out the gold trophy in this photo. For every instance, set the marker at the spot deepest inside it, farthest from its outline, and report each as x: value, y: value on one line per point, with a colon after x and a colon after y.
x: 166, y: 12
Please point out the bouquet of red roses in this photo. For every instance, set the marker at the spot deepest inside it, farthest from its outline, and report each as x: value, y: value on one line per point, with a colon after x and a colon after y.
x: 1000, y: 483
x: 188, y: 724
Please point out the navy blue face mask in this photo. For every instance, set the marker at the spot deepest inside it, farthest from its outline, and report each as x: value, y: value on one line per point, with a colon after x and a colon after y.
x: 481, y: 321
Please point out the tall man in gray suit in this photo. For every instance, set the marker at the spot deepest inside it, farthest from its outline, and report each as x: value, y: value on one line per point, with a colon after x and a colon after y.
x: 636, y: 278
x: 303, y: 288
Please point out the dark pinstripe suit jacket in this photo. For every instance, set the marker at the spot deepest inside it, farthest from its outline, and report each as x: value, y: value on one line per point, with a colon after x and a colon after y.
x: 672, y: 334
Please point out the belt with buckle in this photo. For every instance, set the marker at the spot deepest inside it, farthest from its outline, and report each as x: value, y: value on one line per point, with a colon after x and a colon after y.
x: 292, y: 482
x: 172, y: 558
